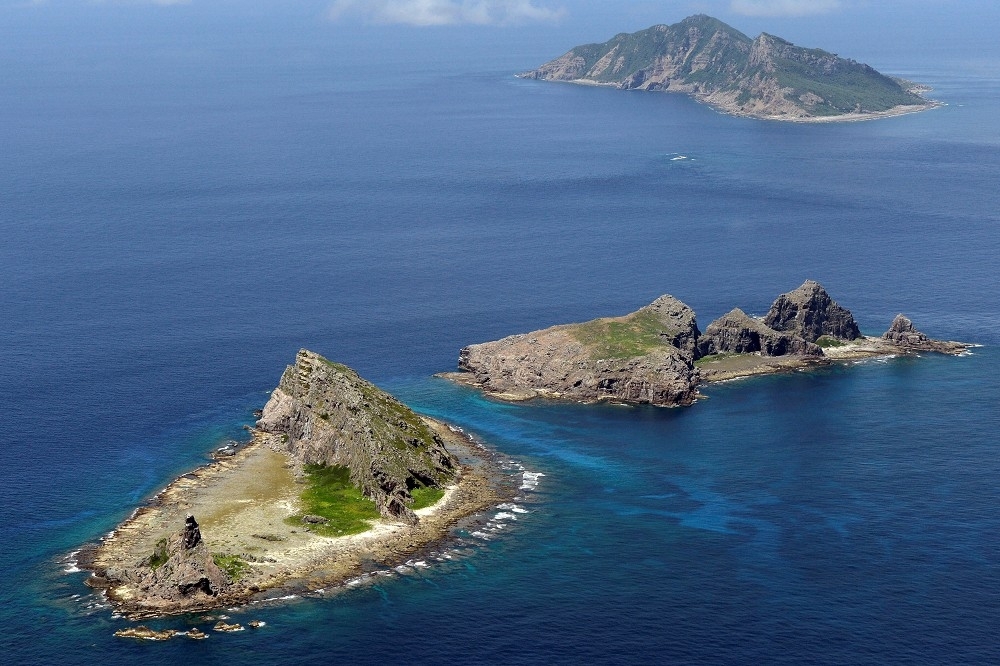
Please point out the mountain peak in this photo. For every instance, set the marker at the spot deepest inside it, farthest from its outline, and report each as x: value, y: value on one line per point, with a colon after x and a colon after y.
x: 767, y: 77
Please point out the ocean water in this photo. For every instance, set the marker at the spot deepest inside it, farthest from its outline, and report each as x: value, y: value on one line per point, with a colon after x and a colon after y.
x: 179, y: 216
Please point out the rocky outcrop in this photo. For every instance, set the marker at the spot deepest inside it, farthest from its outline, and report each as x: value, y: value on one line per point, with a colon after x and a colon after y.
x: 738, y: 333
x: 181, y: 570
x: 646, y: 357
x: 676, y: 323
x: 763, y: 77
x: 810, y: 313
x: 904, y: 335
x: 328, y: 415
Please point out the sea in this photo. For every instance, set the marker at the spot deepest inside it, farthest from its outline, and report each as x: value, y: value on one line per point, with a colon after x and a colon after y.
x: 182, y: 209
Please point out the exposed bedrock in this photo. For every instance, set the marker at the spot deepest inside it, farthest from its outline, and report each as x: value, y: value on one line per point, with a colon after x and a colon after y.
x: 810, y: 313
x: 181, y: 569
x: 738, y: 333
x: 678, y: 321
x: 649, y: 356
x: 903, y: 334
x: 331, y: 416
x: 644, y: 357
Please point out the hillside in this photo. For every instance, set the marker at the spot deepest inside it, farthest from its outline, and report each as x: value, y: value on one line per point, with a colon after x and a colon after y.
x: 766, y: 77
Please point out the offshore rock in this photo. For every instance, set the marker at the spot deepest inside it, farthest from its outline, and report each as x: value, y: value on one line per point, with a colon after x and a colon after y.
x: 142, y: 632
x: 738, y: 333
x: 328, y: 415
x: 181, y: 569
x: 809, y: 313
x: 903, y: 334
x: 646, y: 357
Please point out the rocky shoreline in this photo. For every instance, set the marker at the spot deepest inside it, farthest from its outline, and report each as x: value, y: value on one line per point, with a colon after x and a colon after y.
x: 245, y: 547
x: 657, y: 355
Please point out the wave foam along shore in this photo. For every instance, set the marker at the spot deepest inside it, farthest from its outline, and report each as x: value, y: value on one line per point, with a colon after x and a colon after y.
x: 254, y: 490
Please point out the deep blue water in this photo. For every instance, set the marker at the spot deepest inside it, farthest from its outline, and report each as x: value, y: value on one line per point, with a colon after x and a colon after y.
x: 179, y: 218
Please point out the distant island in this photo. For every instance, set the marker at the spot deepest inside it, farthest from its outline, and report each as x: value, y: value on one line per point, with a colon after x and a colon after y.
x: 657, y: 355
x: 339, y: 480
x: 766, y: 77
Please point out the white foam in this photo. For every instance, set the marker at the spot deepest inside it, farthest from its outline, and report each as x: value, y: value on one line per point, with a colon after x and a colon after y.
x: 505, y: 515
x: 529, y: 480
x: 510, y: 506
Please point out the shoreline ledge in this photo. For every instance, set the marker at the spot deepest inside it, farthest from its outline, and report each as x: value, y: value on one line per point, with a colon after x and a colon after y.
x: 243, y: 547
x: 657, y: 355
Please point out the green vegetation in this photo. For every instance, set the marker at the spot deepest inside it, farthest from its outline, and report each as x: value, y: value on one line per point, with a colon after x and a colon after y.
x: 721, y: 55
x: 711, y: 358
x: 331, y: 494
x: 233, y: 566
x: 828, y: 341
x: 635, y: 335
x: 426, y: 496
x: 159, y: 556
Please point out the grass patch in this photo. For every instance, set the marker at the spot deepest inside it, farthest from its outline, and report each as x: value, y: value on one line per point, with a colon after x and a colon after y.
x: 828, y: 341
x: 715, y: 357
x: 330, y: 493
x: 633, y: 336
x: 159, y: 556
x: 425, y: 497
x: 233, y: 566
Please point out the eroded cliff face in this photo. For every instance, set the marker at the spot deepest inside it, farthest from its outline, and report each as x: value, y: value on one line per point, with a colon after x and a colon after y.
x: 809, y: 313
x: 328, y: 415
x: 762, y: 77
x: 180, y: 573
x: 738, y: 333
x: 645, y: 357
x: 904, y: 335
x: 648, y: 356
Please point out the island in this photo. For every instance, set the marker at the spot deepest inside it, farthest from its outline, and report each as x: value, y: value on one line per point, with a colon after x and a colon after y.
x: 657, y: 355
x: 766, y: 77
x: 338, y: 481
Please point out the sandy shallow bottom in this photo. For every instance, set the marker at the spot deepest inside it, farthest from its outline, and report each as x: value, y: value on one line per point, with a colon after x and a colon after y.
x: 241, y: 503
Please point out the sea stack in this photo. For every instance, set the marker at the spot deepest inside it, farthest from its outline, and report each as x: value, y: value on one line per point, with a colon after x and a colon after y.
x: 181, y: 570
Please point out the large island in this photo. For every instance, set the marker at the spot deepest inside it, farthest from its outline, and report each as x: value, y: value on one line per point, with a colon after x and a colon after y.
x: 657, y: 355
x: 765, y: 77
x: 339, y: 479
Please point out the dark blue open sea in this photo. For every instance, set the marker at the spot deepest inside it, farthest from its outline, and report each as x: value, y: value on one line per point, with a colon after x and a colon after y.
x: 180, y: 214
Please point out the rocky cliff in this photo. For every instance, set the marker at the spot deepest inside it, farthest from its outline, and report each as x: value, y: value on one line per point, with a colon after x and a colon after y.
x: 809, y: 313
x: 657, y: 355
x: 180, y: 572
x: 328, y: 415
x: 904, y: 335
x: 645, y: 357
x: 738, y: 333
x: 763, y: 77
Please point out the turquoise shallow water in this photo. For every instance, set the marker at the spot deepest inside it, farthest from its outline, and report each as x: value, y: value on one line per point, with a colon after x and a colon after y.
x: 171, y: 242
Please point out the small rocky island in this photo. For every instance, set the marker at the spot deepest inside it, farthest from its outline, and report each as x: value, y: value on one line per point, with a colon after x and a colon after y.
x: 766, y: 77
x: 657, y: 355
x: 339, y: 476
